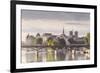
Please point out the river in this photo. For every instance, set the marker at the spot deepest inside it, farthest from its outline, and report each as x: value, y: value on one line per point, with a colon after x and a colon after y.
x: 31, y: 55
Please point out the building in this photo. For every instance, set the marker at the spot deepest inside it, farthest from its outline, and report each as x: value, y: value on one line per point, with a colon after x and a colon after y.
x: 29, y: 39
x: 72, y: 38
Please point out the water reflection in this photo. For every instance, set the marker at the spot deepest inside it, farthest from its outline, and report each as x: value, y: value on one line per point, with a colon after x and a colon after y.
x: 54, y: 54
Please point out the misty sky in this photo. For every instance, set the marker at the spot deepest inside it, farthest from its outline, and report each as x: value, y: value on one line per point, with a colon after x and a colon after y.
x: 35, y: 21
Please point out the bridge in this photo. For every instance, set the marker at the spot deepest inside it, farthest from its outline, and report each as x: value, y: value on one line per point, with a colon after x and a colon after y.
x: 46, y: 46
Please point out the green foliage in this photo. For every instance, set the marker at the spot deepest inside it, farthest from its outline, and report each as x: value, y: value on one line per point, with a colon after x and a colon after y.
x: 39, y: 41
x: 51, y: 42
x: 33, y: 40
x: 87, y: 38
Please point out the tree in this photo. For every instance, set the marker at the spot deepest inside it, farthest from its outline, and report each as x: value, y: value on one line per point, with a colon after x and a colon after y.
x: 87, y: 38
x: 39, y: 40
x: 61, y: 42
x: 71, y: 40
x: 50, y: 42
x: 33, y: 40
x: 50, y: 51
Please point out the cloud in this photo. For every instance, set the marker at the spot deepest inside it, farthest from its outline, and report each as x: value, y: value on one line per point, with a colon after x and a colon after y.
x: 54, y: 26
x: 34, y: 22
x: 37, y: 14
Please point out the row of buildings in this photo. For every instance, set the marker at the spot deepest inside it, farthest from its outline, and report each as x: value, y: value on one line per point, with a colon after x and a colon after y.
x: 72, y: 38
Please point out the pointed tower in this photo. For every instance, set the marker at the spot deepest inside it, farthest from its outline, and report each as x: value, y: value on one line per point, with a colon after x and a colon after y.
x: 63, y: 31
x: 27, y: 36
x: 76, y: 34
x: 71, y: 33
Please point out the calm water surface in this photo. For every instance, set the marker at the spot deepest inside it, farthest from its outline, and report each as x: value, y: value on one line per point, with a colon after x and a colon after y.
x: 30, y: 55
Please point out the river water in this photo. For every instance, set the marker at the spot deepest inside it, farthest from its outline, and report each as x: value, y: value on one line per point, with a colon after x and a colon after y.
x: 29, y: 55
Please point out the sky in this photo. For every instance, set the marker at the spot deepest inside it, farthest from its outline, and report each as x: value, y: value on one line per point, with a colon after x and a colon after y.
x: 36, y: 21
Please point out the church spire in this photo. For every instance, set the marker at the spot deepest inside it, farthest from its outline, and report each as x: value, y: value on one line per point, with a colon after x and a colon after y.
x: 63, y: 31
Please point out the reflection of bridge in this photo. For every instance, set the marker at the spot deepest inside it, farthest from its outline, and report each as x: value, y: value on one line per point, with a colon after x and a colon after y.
x: 45, y: 46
